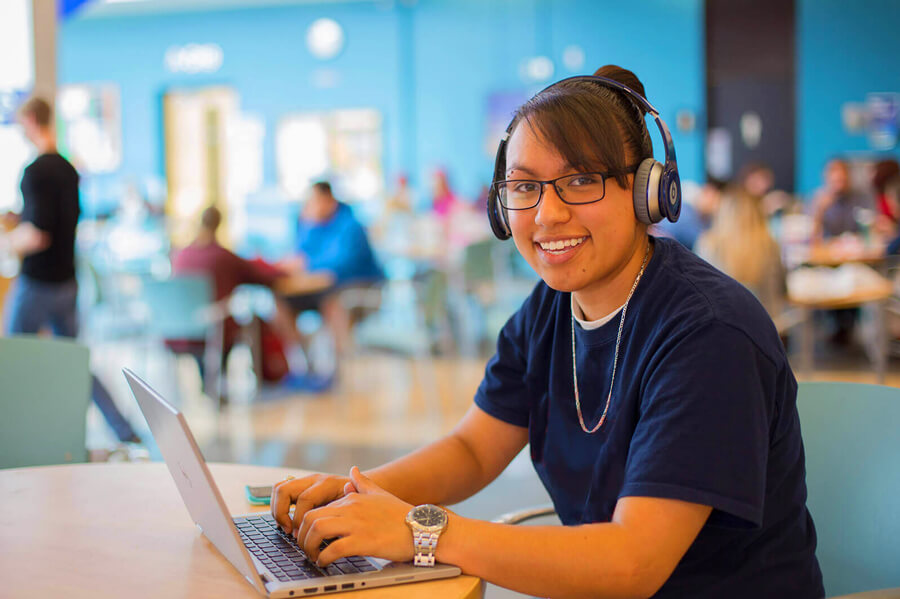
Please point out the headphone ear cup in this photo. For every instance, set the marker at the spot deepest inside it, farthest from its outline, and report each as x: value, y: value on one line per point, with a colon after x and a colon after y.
x: 645, y: 191
x: 497, y: 216
x: 670, y: 187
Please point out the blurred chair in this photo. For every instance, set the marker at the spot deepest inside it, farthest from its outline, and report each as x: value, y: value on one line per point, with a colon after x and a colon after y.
x: 494, y: 280
x: 181, y: 309
x: 109, y: 306
x: 851, y: 438
x: 46, y: 387
x: 359, y: 302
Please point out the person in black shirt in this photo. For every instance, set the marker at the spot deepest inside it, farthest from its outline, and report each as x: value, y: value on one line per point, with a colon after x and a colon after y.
x: 46, y: 291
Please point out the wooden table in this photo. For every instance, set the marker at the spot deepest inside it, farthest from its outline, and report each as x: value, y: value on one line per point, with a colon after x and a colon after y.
x: 838, y: 251
x: 121, y: 530
x: 876, y: 293
x: 303, y: 283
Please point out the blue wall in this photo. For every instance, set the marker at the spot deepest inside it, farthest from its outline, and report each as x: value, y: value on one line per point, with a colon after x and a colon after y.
x: 844, y: 51
x: 428, y: 68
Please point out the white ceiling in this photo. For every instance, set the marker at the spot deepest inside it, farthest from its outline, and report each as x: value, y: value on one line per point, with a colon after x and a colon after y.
x: 110, y: 8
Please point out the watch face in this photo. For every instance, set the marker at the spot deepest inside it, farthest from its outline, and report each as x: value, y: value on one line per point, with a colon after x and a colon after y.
x: 430, y: 516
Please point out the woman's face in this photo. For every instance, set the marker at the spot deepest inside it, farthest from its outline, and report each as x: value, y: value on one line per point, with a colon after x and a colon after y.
x: 599, y: 238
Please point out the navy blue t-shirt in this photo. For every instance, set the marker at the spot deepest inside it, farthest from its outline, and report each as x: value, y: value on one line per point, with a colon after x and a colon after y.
x: 703, y: 410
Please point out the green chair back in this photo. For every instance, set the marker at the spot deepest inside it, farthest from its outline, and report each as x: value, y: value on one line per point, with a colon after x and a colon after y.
x: 851, y: 433
x: 178, y: 307
x: 45, y: 387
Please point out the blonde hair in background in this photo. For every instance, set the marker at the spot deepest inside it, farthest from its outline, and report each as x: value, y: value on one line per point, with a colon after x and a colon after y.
x: 740, y: 239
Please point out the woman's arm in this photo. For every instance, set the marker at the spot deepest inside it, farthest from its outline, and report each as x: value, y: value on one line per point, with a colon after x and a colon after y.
x: 446, y: 471
x: 457, y: 466
x: 631, y: 556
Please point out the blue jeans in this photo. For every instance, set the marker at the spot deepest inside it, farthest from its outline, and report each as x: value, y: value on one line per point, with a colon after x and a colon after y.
x: 35, y: 304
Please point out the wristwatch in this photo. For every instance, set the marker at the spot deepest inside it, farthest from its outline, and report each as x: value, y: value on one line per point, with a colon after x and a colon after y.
x: 427, y: 522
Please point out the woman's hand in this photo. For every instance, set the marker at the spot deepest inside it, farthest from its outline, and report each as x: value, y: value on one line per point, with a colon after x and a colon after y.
x: 305, y: 494
x: 367, y: 520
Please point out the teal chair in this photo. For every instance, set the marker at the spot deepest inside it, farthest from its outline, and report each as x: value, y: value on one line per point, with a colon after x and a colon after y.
x: 180, y: 307
x: 851, y: 433
x: 45, y: 387
x: 184, y: 308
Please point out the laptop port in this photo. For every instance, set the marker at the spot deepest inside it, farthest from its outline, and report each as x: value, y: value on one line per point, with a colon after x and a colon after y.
x: 311, y: 591
x: 347, y: 585
x: 330, y: 587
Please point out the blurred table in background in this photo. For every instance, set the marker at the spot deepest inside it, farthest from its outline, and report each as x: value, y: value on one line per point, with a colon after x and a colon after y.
x: 845, y: 250
x: 849, y: 286
x: 303, y: 283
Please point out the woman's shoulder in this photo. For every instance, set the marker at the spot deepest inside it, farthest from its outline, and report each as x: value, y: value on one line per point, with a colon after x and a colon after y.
x: 689, y: 294
x: 530, y: 322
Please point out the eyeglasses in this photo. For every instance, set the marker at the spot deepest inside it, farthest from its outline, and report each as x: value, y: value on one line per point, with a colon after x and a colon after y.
x: 580, y: 188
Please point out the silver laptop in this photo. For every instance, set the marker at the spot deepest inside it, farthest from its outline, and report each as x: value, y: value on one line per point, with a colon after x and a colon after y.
x: 268, y: 558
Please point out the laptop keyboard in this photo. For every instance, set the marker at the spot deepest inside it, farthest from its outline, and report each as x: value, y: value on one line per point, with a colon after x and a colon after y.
x: 280, y: 553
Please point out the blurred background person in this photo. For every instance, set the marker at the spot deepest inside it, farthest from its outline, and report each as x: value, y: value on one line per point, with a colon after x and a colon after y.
x: 400, y: 201
x: 740, y: 244
x: 443, y: 199
x: 888, y: 211
x: 892, y: 199
x: 227, y: 271
x: 835, y: 204
x: 46, y: 292
x: 330, y: 239
x: 697, y: 211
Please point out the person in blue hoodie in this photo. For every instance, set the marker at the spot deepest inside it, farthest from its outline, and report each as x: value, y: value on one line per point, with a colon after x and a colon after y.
x: 330, y: 239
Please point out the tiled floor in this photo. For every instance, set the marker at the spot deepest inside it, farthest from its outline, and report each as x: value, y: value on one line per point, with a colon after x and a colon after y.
x: 383, y: 406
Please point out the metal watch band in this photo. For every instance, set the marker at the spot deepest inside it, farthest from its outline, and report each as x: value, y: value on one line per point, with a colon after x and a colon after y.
x: 425, y: 543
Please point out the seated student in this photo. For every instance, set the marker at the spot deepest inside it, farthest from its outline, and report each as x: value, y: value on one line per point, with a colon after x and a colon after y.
x: 740, y: 245
x: 654, y: 392
x: 834, y: 205
x: 891, y: 197
x: 888, y: 212
x: 227, y: 271
x: 834, y: 213
x: 330, y: 239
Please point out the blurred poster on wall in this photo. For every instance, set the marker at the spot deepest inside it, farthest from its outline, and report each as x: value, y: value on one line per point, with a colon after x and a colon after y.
x: 501, y: 107
x: 884, y: 120
x: 343, y: 146
x: 719, y: 163
x: 89, y: 122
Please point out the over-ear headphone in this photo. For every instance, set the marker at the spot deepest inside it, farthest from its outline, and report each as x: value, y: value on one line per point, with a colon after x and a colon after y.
x: 657, y: 186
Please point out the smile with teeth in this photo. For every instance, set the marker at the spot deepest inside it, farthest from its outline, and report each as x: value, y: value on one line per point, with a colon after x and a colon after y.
x: 562, y: 245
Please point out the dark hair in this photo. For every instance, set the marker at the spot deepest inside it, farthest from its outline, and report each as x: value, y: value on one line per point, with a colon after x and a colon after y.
x: 210, y: 219
x: 892, y: 186
x: 885, y: 170
x: 38, y: 109
x: 323, y: 186
x: 592, y: 126
x: 751, y: 168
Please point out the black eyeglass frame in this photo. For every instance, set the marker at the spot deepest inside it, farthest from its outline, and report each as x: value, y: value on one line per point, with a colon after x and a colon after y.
x: 603, y: 177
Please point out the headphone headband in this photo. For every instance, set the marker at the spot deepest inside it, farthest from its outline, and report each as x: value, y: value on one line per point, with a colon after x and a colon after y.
x: 657, y: 187
x: 632, y: 95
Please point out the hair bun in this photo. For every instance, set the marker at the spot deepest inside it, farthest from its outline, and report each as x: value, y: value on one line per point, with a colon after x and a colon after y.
x: 623, y: 76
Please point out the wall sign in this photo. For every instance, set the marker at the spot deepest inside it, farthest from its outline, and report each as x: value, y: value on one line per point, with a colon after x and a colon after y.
x: 194, y: 58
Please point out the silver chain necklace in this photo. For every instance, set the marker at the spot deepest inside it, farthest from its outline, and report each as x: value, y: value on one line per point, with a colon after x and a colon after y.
x: 615, y: 357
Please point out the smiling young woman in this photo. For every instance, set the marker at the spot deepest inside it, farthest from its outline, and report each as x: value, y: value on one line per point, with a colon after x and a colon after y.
x: 653, y: 390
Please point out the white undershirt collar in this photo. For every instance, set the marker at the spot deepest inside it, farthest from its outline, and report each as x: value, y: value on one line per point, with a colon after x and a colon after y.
x: 590, y: 325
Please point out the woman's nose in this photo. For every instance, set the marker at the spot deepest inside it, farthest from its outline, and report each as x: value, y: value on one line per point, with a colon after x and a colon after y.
x: 551, y: 209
